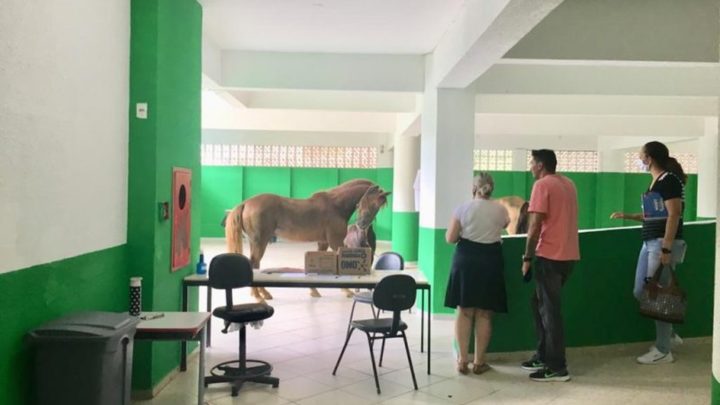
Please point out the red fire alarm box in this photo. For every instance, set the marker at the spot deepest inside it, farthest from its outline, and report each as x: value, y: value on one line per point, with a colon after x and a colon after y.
x: 181, y: 203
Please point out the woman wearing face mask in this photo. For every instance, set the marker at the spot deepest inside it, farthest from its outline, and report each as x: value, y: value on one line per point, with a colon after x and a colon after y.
x: 661, y: 235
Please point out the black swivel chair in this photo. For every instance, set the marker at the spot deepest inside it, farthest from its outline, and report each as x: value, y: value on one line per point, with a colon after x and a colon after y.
x: 394, y: 293
x: 229, y: 271
x: 386, y: 261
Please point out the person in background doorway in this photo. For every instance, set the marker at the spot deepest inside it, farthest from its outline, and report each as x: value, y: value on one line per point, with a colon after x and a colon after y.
x: 476, y: 286
x: 661, y: 235
x: 553, y: 245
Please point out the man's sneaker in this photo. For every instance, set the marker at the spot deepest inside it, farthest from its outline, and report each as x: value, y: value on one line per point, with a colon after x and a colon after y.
x: 655, y: 356
x: 675, y: 341
x: 532, y: 365
x: 548, y: 375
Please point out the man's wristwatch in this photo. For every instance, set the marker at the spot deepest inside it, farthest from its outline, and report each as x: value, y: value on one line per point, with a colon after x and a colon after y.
x: 527, y: 258
x: 666, y: 251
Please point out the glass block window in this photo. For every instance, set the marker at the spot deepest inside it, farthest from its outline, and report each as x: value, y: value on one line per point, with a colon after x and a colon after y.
x: 289, y: 156
x: 687, y: 160
x: 498, y: 160
x: 574, y: 160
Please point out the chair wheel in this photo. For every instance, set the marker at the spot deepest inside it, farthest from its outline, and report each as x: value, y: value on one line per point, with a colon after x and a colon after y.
x: 276, y: 385
x: 234, y: 391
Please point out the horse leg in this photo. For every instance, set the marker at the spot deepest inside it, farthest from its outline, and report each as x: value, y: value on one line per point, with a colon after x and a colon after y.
x: 257, y: 251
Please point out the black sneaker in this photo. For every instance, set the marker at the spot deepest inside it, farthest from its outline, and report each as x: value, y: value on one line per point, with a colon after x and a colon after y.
x: 549, y: 375
x: 532, y: 365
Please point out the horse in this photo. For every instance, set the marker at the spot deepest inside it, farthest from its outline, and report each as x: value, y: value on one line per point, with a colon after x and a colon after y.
x: 518, y: 211
x: 322, y: 218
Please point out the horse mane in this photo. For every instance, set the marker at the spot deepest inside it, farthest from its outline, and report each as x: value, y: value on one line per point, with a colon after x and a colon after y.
x: 346, y: 195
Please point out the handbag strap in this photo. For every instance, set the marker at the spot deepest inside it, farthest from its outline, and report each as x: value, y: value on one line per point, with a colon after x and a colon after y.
x: 658, y: 273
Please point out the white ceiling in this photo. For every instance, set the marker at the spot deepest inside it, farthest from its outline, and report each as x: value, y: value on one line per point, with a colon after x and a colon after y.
x: 329, y: 26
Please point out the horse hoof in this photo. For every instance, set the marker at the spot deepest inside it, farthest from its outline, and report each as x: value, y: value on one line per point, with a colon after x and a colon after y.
x: 348, y: 293
x: 267, y: 296
x: 314, y: 293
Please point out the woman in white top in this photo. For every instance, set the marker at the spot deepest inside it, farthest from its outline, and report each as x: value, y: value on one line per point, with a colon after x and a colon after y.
x: 477, y: 284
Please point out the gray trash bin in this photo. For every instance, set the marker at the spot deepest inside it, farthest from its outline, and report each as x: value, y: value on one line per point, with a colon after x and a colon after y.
x: 84, y: 359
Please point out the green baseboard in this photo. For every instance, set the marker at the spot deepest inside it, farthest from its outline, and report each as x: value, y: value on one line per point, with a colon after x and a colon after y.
x: 405, y: 234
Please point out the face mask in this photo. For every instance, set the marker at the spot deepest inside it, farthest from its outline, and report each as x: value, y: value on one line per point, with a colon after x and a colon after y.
x: 642, y: 165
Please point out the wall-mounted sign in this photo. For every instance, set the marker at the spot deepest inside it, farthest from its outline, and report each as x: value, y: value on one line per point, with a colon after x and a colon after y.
x: 181, y: 203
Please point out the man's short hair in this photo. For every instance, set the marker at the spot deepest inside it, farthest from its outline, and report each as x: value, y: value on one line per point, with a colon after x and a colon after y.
x: 546, y: 157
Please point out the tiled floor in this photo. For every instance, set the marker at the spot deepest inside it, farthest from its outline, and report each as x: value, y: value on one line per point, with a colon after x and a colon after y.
x: 305, y: 336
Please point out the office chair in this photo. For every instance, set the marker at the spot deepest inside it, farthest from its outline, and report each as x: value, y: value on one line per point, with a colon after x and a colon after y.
x: 229, y: 271
x: 386, y: 261
x: 394, y: 293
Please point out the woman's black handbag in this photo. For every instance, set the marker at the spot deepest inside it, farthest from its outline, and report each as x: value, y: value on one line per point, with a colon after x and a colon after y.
x: 667, y: 304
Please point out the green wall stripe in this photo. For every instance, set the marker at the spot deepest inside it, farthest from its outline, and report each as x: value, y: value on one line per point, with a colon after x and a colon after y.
x: 405, y: 227
x: 165, y: 71
x: 715, y: 399
x: 30, y: 297
x: 598, y: 305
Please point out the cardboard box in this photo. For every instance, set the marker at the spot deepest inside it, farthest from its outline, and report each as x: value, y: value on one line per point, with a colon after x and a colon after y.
x: 321, y: 262
x: 354, y: 261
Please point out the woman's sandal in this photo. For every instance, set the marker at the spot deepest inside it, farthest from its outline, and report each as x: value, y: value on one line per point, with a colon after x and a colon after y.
x: 462, y: 367
x: 480, y: 368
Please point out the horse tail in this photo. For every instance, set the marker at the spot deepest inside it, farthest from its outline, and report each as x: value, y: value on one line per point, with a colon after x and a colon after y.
x: 234, y: 230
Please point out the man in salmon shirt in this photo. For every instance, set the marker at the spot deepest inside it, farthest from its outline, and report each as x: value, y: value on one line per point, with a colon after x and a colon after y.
x: 552, y: 244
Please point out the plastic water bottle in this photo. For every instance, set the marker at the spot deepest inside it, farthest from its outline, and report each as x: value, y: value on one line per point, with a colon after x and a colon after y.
x: 201, y: 267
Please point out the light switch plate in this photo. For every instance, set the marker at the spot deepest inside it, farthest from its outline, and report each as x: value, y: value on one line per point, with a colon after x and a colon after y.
x: 141, y: 110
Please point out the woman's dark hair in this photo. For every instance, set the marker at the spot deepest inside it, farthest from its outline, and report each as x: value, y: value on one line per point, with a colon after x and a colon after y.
x: 659, y: 153
x: 546, y: 157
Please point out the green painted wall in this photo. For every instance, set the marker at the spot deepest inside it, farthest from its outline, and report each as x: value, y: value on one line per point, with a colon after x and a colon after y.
x: 715, y: 399
x: 405, y: 235
x: 35, y: 295
x: 165, y: 69
x: 599, y: 194
x: 224, y: 187
x: 598, y: 305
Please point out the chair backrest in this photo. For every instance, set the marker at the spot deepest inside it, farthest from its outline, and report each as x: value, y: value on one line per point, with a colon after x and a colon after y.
x: 390, y: 261
x: 395, y: 293
x: 228, y: 271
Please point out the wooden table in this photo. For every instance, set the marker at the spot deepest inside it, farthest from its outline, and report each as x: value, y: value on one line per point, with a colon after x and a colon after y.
x: 181, y: 326
x: 301, y: 280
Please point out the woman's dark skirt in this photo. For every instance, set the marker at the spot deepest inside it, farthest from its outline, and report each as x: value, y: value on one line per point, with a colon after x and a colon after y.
x: 477, y: 277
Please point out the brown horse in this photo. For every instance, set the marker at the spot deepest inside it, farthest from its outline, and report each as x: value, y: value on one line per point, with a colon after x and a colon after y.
x: 517, y: 209
x: 322, y: 218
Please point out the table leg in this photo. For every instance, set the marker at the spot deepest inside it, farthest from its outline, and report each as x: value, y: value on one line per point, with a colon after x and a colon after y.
x: 209, y: 309
x: 183, y: 344
x: 201, y: 369
x: 422, y: 320
x: 429, y: 318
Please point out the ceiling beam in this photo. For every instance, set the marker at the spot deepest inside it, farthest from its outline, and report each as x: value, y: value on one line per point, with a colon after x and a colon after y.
x: 481, y: 34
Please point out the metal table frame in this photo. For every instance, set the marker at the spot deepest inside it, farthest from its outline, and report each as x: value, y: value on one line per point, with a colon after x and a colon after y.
x: 181, y: 326
x: 318, y: 281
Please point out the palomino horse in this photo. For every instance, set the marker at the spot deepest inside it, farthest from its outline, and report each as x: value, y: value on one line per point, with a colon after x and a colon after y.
x: 518, y: 210
x: 322, y: 218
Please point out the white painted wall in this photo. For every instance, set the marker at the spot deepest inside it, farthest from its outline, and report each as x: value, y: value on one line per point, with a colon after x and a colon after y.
x: 64, y: 69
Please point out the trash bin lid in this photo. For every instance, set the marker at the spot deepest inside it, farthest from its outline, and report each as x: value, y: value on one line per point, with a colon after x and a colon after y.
x: 86, y: 324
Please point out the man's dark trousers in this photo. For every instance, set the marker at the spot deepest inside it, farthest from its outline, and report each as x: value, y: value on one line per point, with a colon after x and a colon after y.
x: 550, y: 276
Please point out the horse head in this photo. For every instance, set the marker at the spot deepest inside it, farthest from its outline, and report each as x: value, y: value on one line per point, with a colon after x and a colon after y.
x: 369, y: 205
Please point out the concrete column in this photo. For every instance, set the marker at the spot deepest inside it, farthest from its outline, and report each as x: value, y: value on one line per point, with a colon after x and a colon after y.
x: 708, y: 170
x: 446, y: 149
x: 519, y: 160
x: 405, y: 218
x: 715, y: 396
